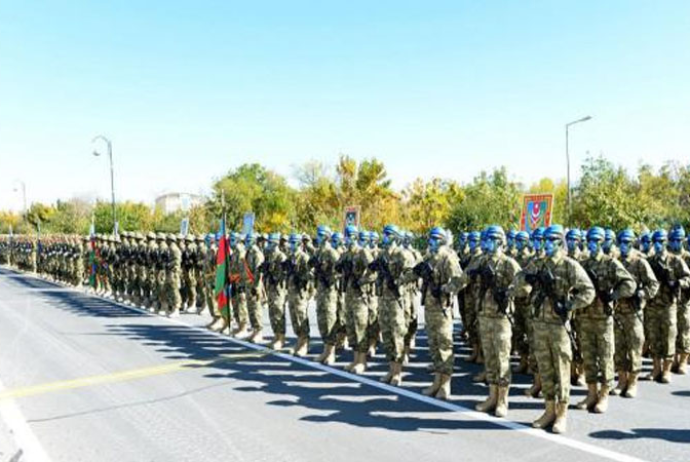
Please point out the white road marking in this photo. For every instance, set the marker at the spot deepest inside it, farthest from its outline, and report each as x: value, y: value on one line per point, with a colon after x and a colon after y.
x: 553, y: 438
x: 24, y: 437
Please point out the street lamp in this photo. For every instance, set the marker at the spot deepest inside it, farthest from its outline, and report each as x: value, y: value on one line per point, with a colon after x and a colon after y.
x: 112, y: 175
x: 23, y: 186
x: 567, y: 159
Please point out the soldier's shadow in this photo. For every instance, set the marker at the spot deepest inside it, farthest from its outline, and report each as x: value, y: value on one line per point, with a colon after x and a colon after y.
x: 672, y: 435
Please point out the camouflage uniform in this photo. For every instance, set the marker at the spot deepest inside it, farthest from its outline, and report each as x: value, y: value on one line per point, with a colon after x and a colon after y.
x: 325, y: 279
x: 521, y: 317
x: 683, y: 320
x: 299, y: 277
x: 628, y: 326
x: 252, y: 279
x: 661, y: 313
x: 189, y: 259
x: 471, y: 296
x: 199, y: 265
x: 276, y: 288
x: 551, y: 340
x: 239, y: 295
x: 172, y: 278
x: 612, y: 283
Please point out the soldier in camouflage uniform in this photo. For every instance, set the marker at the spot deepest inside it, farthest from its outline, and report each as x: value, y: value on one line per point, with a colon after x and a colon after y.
x: 612, y: 283
x: 189, y: 256
x: 675, y: 242
x: 470, y: 297
x: 252, y: 279
x: 674, y: 277
x: 558, y: 286
x: 393, y: 267
x: 412, y: 289
x: 628, y: 325
x: 496, y: 272
x: 522, y: 255
x: 537, y: 240
x: 298, y: 277
x: 276, y: 288
x: 441, y: 275
x: 341, y: 323
x: 357, y: 282
x: 173, y: 277
x: 199, y: 263
x: 373, y: 329
x: 239, y: 295
x: 323, y: 263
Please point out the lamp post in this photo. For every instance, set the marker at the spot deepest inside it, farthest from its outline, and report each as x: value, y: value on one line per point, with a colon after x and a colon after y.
x: 23, y: 186
x: 112, y: 175
x: 567, y: 159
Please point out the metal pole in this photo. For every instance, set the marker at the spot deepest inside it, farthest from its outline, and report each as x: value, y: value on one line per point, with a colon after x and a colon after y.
x: 567, y: 159
x: 112, y: 175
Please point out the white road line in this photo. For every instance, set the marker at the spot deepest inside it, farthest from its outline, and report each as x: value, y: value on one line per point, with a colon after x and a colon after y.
x: 22, y: 434
x: 556, y: 439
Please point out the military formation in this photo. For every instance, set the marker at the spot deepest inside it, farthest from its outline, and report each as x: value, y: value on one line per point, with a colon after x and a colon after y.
x: 573, y: 307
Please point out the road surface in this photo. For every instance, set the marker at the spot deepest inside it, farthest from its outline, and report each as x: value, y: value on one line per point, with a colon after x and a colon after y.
x: 87, y: 379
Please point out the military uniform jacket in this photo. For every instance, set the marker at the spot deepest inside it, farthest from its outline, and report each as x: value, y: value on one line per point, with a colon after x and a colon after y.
x: 570, y: 282
x: 494, y: 301
x: 611, y: 280
x: 251, y: 274
x: 669, y: 267
x: 647, y: 283
x: 275, y: 272
x: 300, y: 273
x: 324, y: 272
x: 447, y: 272
x: 400, y: 263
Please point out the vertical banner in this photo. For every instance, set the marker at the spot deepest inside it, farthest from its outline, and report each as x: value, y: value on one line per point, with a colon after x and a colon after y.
x: 248, y: 222
x: 537, y: 210
x: 184, y: 227
x: 351, y: 216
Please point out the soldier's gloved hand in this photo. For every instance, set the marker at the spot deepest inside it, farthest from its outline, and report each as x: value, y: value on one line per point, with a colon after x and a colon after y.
x: 672, y: 284
x: 640, y: 294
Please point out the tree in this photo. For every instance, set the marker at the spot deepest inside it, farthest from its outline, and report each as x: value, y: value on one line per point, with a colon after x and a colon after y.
x: 428, y: 204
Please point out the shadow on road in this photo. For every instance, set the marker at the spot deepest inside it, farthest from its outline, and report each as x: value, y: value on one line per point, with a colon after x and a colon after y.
x: 672, y: 435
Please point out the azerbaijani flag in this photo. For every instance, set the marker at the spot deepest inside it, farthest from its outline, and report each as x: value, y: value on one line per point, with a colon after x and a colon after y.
x: 221, y: 288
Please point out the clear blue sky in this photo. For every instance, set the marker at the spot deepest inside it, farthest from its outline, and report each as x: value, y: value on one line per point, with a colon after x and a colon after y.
x: 187, y: 90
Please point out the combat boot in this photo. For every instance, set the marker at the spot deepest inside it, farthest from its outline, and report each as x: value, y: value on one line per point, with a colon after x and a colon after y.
x: 603, y: 400
x: 443, y: 392
x: 502, y: 403
x: 522, y: 366
x: 683, y: 364
x: 547, y: 417
x: 175, y: 313
x: 241, y: 332
x: 350, y: 366
x: 656, y: 370
x: 257, y: 336
x: 535, y: 389
x: 406, y: 355
x: 371, y: 352
x: 413, y: 343
x: 433, y: 388
x: 666, y: 371
x: 631, y: 390
x: 329, y: 360
x: 489, y: 404
x: 622, y: 383
x: 396, y: 379
x: 361, y: 365
x: 302, y: 346
x: 278, y: 342
x: 387, y: 378
x: 560, y: 424
x: 341, y: 342
x: 590, y: 400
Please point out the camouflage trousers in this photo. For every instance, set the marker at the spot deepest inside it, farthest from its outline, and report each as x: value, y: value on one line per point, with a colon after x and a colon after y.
x: 439, y: 331
x: 393, y: 325
x: 298, y: 302
x: 255, y: 309
x: 373, y: 328
x: 357, y: 320
x: 240, y: 312
x: 521, y: 317
x: 472, y: 327
x: 662, y: 325
x: 200, y: 291
x: 411, y: 317
x: 327, y: 314
x: 596, y: 340
x: 160, y: 289
x: 78, y: 272
x: 629, y: 337
x: 495, y: 334
x: 683, y: 321
x: 276, y: 308
x: 210, y: 296
x: 172, y: 291
x: 532, y: 346
x: 341, y: 323
x: 190, y: 294
x: 554, y: 354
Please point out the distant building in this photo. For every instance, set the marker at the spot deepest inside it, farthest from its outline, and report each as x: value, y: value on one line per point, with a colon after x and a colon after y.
x: 173, y: 202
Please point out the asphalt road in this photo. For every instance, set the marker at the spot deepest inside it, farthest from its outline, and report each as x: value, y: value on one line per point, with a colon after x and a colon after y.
x: 86, y: 379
